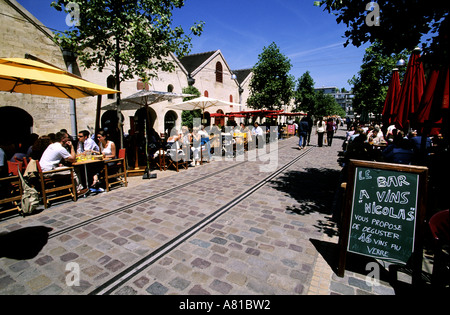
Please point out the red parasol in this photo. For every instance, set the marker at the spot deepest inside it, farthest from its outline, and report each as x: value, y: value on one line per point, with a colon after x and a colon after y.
x: 262, y: 112
x: 217, y: 115
x: 391, y: 98
x: 411, y: 91
x: 433, y: 108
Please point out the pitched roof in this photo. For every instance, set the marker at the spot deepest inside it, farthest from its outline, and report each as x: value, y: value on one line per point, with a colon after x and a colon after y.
x: 192, y: 62
x: 242, y: 74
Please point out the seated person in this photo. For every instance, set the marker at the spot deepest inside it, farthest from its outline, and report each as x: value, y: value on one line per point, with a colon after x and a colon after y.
x: 56, y: 153
x: 417, y: 141
x: 401, y: 151
x: 20, y: 152
x: 85, y: 143
x: 39, y: 147
x: 376, y: 136
x: 3, y: 164
x: 107, y: 149
x: 196, y: 146
x: 359, y: 149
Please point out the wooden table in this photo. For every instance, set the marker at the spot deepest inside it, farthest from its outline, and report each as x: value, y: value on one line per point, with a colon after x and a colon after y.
x: 85, y: 163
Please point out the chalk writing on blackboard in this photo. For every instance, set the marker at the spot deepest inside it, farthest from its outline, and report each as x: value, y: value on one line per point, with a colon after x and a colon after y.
x: 383, y: 216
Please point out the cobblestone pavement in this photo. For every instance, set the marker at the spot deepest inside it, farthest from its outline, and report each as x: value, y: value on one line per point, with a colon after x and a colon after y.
x: 224, y: 228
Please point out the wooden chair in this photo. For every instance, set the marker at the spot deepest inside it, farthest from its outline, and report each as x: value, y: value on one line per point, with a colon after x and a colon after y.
x: 24, y: 160
x: 55, y: 181
x: 176, y: 158
x: 115, y: 171
x: 10, y: 193
x: 14, y: 167
x: 160, y: 161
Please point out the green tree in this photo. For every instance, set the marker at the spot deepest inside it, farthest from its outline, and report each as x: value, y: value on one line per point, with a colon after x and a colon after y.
x: 402, y: 25
x: 371, y: 83
x: 326, y: 105
x: 271, y: 85
x: 305, y: 95
x: 187, y: 116
x: 132, y: 36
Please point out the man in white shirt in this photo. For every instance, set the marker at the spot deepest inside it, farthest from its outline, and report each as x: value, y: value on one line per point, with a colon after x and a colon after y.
x: 85, y: 143
x: 56, y: 153
x: 258, y: 135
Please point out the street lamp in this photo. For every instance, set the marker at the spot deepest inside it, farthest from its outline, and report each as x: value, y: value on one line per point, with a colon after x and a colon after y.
x: 70, y: 59
x: 401, y: 63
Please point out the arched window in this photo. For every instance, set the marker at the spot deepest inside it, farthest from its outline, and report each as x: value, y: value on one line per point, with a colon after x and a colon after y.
x: 111, y: 83
x: 231, y: 98
x: 219, y: 72
x: 170, y: 88
x: 206, y: 94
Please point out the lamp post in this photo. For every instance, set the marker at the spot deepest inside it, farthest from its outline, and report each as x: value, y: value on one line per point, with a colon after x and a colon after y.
x: 70, y: 58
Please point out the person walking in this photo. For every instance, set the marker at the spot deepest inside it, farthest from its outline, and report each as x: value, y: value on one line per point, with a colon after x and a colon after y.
x: 303, y: 128
x: 331, y: 126
x: 321, y: 128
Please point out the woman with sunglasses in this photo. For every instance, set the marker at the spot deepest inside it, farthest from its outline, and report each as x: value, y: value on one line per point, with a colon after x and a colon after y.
x: 107, y: 149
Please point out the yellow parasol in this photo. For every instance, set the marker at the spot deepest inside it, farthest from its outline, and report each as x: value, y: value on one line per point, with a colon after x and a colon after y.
x: 28, y: 76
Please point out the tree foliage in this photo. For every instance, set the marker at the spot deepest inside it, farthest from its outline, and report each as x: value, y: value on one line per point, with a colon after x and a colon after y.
x: 402, y: 24
x: 326, y: 105
x: 187, y: 116
x: 305, y: 95
x: 136, y: 34
x: 271, y: 84
x: 371, y: 83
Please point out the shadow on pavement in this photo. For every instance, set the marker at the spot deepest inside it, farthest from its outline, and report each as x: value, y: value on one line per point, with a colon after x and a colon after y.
x: 396, y: 276
x: 24, y: 243
x: 314, y: 190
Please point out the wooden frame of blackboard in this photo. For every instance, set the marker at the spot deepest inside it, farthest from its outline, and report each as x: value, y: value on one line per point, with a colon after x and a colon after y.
x: 422, y: 192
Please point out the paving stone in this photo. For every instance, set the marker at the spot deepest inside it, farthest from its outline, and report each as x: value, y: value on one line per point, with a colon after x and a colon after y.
x: 157, y: 289
x: 200, y: 263
x: 19, y: 266
x: 179, y: 283
x: 68, y: 257
x: 114, y: 265
x: 6, y: 281
x: 221, y: 286
x: 126, y: 290
x: 219, y: 240
x: 200, y: 243
x: 198, y: 290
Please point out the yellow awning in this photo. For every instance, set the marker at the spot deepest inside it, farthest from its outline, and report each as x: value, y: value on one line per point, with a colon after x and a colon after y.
x: 28, y: 76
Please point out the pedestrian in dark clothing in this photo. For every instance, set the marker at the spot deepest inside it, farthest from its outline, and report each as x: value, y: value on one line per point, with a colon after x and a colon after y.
x: 310, y: 125
x: 330, y: 131
x: 303, y: 128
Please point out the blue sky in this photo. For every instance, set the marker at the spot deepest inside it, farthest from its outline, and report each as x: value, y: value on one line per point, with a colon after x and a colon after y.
x: 307, y: 35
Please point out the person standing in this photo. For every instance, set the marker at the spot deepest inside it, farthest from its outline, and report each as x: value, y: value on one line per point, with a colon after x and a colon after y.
x: 321, y: 128
x: 303, y: 128
x: 258, y: 135
x: 310, y: 126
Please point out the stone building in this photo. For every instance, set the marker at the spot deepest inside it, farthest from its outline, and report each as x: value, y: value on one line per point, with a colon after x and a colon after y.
x: 21, y: 33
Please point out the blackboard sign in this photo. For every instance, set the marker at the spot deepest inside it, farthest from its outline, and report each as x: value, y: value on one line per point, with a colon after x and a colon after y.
x: 385, y: 206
